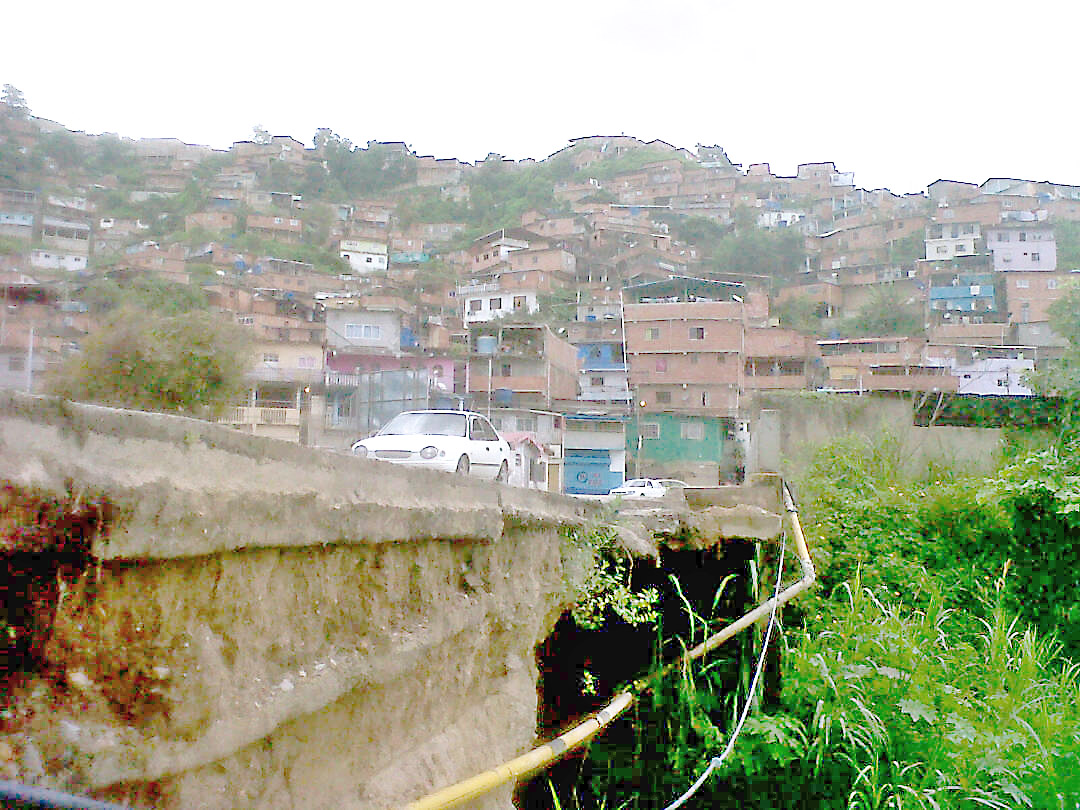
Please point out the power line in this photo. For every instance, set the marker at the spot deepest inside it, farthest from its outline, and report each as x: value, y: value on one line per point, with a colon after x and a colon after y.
x: 716, y: 762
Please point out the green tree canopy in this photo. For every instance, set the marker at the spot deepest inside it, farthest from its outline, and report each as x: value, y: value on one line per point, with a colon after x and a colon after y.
x: 143, y: 292
x: 779, y: 254
x: 192, y: 363
x: 888, y: 312
x: 1067, y: 237
x: 1061, y: 378
x: 799, y: 313
x: 14, y: 102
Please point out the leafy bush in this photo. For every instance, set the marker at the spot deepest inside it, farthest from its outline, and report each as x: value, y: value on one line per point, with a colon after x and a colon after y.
x: 916, y: 680
x: 191, y: 363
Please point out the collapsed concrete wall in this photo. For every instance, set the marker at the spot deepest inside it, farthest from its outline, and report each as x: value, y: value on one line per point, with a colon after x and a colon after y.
x: 262, y: 625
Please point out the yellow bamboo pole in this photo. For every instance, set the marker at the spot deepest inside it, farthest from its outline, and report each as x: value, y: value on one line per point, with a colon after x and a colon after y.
x: 537, y: 758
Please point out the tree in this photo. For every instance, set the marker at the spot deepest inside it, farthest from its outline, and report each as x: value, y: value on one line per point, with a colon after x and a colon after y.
x: 192, y: 363
x: 908, y: 248
x: 1067, y: 236
x: 887, y: 312
x: 1061, y: 378
x: 14, y: 102
x: 754, y: 251
x: 799, y: 313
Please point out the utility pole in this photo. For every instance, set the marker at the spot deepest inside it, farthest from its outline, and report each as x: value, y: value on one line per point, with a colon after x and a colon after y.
x: 30, y: 362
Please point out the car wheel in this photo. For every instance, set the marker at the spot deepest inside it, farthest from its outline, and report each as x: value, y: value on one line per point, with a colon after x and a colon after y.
x: 504, y: 472
x: 462, y: 465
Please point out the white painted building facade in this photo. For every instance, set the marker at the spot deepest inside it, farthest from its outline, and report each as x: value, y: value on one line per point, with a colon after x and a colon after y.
x: 364, y: 256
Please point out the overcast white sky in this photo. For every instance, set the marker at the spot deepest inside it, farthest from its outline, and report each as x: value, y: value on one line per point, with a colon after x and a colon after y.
x: 899, y: 93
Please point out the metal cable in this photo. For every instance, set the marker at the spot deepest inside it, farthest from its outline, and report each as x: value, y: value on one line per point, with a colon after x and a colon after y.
x: 716, y: 762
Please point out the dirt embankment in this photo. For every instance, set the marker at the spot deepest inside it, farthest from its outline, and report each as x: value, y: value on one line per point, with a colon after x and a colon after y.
x: 192, y: 620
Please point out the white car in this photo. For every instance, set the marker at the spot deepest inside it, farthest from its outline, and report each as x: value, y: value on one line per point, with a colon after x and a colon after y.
x: 645, y: 488
x: 452, y: 441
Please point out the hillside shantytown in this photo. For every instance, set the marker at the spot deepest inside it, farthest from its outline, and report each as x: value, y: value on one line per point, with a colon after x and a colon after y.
x: 617, y: 308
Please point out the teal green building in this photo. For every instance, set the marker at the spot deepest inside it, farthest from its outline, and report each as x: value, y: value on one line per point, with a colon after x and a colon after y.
x: 697, y: 449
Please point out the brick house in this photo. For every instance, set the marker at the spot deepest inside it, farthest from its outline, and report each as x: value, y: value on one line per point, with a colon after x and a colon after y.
x: 280, y: 228
x: 520, y: 365
x: 211, y: 221
x: 889, y: 363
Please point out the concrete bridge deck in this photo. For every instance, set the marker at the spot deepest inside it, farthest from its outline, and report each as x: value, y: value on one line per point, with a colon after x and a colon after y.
x: 219, y: 620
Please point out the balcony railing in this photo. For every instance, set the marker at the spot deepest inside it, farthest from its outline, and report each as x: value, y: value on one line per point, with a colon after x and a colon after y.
x: 520, y: 383
x: 306, y: 376
x: 260, y: 415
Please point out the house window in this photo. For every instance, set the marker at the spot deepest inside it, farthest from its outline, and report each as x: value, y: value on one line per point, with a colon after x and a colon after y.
x: 652, y: 333
x: 661, y: 364
x: 475, y: 305
x: 1035, y: 257
x: 245, y: 320
x: 270, y: 357
x: 596, y: 381
x: 361, y: 331
x: 961, y: 248
x: 368, y: 259
x: 305, y: 362
x: 663, y: 397
x: 942, y: 249
x: 692, y: 430
x: 1022, y: 236
x: 1003, y: 237
x: 650, y: 430
x: 495, y: 303
x: 504, y: 370
x: 1022, y: 284
x: 519, y: 302
x: 527, y: 424
x: 1051, y: 284
x: 697, y: 333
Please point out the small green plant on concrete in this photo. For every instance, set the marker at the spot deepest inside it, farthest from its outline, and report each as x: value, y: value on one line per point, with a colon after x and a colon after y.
x: 607, y: 588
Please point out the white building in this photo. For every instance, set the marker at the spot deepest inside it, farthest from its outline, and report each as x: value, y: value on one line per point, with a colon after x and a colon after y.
x: 1022, y: 246
x: 946, y: 240
x: 486, y: 302
x: 994, y: 376
x: 986, y: 370
x: 364, y: 256
x: 57, y: 260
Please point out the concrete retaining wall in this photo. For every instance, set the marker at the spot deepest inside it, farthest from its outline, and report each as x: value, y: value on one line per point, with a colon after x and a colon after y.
x: 790, y: 426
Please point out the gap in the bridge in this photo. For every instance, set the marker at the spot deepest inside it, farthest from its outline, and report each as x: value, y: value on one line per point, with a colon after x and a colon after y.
x: 581, y: 669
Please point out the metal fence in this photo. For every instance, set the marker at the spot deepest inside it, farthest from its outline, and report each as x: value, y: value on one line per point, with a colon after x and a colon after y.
x: 370, y: 400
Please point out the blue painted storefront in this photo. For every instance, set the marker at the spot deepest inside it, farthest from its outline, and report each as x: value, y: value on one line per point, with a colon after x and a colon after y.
x: 588, y: 472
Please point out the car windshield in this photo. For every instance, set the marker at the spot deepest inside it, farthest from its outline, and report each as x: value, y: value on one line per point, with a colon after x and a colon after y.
x: 430, y: 424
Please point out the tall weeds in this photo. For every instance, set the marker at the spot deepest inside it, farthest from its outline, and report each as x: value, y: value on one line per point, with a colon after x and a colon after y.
x: 930, y: 669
